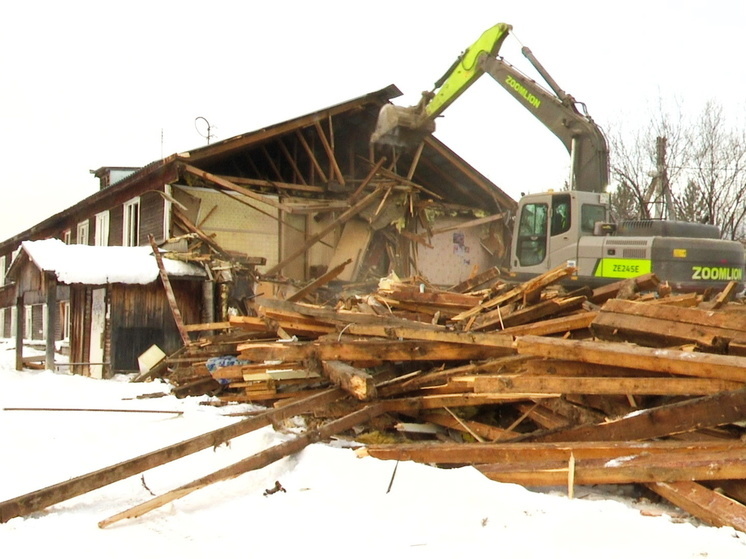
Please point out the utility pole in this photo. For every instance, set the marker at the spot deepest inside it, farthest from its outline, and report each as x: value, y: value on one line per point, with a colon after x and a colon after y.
x: 668, y: 211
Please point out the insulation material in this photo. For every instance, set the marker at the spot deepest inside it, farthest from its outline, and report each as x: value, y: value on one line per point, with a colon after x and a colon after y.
x: 454, y: 255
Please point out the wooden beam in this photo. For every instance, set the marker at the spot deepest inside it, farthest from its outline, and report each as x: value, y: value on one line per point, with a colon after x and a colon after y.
x: 600, y: 385
x: 353, y: 380
x: 311, y: 156
x: 696, y: 413
x: 346, y: 216
x: 570, y: 323
x: 318, y: 282
x: 39, y: 500
x: 50, y: 281
x: 731, y: 324
x: 215, y: 179
x: 368, y: 350
x: 526, y: 453
x: 329, y: 151
x: 660, y: 332
x: 171, y: 298
x: 497, y: 339
x: 254, y: 462
x: 280, y: 185
x: 639, y: 468
x: 707, y: 505
x: 676, y: 362
x: 529, y: 314
x: 467, y: 285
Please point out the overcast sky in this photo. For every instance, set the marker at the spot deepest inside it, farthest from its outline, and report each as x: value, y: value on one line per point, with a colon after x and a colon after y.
x: 85, y: 85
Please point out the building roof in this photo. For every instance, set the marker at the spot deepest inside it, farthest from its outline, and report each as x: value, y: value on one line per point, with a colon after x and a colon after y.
x: 100, y: 265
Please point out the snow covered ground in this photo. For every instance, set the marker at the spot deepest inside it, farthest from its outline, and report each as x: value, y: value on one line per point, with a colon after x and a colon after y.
x: 334, y: 503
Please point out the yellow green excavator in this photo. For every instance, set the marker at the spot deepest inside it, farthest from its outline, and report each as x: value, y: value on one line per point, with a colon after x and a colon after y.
x: 571, y: 226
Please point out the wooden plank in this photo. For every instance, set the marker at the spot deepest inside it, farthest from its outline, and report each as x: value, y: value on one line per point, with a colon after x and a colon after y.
x: 676, y: 362
x: 506, y: 384
x: 169, y: 292
x: 338, y: 316
x: 476, y: 281
x: 352, y: 380
x: 42, y: 498
x: 497, y: 339
x: 531, y: 313
x: 318, y: 282
x: 473, y: 428
x: 654, y: 332
x: 533, y: 286
x: 417, y: 403
x: 369, y: 350
x: 207, y: 326
x: 224, y: 183
x: 254, y: 462
x: 527, y: 453
x: 329, y: 150
x: 640, y: 468
x: 611, y: 290
x: 313, y: 239
x: 550, y: 326
x: 707, y: 505
x: 696, y: 413
x: 732, y: 324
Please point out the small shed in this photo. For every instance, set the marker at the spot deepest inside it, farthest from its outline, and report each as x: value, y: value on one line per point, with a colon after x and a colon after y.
x: 107, y: 302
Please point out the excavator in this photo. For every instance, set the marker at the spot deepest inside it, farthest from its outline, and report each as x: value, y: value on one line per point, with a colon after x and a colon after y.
x: 571, y: 227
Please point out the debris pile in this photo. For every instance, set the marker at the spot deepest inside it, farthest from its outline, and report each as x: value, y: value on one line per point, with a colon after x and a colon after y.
x: 530, y: 383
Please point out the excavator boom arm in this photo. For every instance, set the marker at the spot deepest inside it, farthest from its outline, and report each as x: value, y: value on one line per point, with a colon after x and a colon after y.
x: 407, y: 126
x: 581, y: 136
x: 466, y: 70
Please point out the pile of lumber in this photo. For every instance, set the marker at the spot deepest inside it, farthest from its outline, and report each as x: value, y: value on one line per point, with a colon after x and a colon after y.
x: 529, y: 383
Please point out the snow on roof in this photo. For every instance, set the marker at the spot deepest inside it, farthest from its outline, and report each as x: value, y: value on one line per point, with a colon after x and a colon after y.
x: 99, y: 265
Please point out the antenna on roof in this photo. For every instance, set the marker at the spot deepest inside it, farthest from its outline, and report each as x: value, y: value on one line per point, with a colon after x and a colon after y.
x: 209, y: 128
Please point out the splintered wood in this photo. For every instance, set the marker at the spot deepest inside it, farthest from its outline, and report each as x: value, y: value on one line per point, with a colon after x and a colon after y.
x: 530, y: 383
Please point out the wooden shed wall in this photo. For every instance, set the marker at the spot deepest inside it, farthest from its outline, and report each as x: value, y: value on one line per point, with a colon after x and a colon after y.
x: 140, y: 316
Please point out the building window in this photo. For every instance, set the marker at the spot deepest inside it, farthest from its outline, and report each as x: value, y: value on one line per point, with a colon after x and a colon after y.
x: 2, y: 270
x: 131, y: 231
x: 82, y: 236
x: 101, y: 234
x: 65, y: 320
x: 67, y: 237
x: 28, y: 332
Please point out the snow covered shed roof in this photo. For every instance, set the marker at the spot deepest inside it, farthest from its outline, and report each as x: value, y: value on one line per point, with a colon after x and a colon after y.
x: 99, y: 265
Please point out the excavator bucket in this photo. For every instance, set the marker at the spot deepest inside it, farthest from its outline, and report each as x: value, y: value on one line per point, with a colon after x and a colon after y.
x: 401, y: 127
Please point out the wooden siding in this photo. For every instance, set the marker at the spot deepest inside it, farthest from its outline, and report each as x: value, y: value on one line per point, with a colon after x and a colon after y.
x: 80, y: 305
x: 152, y: 214
x: 141, y: 317
x: 116, y: 224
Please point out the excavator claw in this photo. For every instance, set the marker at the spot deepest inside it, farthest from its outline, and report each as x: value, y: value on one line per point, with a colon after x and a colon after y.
x: 401, y: 127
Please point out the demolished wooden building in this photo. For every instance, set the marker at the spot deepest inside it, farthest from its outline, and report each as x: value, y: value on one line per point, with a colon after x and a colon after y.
x: 272, y: 210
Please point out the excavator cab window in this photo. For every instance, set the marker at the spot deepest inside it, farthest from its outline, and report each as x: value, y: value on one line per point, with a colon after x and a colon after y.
x: 560, y: 214
x: 532, y: 234
x: 589, y: 215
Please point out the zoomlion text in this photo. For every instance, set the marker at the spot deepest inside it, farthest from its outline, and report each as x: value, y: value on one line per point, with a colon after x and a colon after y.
x: 716, y: 273
x: 520, y: 88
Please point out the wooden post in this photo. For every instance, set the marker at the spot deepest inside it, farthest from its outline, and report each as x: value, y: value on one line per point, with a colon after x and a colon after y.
x: 51, y: 286
x: 20, y: 322
x: 169, y: 292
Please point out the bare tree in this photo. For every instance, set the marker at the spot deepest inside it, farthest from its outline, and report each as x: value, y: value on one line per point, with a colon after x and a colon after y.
x: 718, y: 171
x: 635, y: 165
x: 704, y: 167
